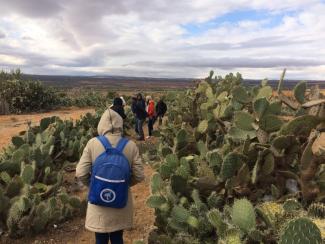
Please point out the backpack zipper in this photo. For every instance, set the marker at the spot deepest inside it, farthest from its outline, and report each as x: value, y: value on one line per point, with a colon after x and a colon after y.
x: 107, y: 180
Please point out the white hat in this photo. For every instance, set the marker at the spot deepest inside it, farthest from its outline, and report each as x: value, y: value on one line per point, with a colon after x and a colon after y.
x: 124, y: 103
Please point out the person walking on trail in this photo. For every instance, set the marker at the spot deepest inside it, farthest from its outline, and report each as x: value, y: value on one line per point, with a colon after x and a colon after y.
x: 151, y: 114
x: 161, y: 109
x: 110, y: 165
x: 118, y: 107
x: 133, y: 109
x: 141, y: 115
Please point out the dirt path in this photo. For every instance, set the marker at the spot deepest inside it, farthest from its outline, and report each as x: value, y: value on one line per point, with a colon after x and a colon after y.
x: 73, y: 232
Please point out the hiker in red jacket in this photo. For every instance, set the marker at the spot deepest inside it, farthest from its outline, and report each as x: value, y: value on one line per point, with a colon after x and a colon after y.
x: 151, y: 114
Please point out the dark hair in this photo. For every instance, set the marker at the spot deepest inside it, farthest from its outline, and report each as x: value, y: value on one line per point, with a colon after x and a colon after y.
x: 117, y: 102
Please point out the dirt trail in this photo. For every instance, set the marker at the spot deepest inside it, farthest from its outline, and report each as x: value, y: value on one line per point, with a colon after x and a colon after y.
x: 73, y: 232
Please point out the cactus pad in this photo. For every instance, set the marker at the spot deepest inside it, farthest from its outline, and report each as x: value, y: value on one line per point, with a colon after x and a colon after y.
x: 156, y: 183
x: 317, y: 210
x: 231, y: 163
x: 203, y: 126
x: 240, y: 95
x: 155, y: 201
x: 321, y: 226
x: 75, y: 202
x: 244, y: 120
x: 243, y: 215
x: 299, y: 91
x: 291, y: 205
x: 214, y: 159
x: 240, y: 135
x: 265, y: 91
x: 215, y: 218
x: 270, y: 123
x: 301, y: 125
x: 44, y: 124
x: 260, y: 106
x: 17, y: 141
x: 301, y: 231
x: 270, y: 212
x: 182, y: 215
x: 233, y: 237
x: 27, y: 174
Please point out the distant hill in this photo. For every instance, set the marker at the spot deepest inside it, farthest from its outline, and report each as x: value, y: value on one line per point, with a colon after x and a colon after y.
x: 113, y: 82
x: 288, y: 84
x: 143, y: 83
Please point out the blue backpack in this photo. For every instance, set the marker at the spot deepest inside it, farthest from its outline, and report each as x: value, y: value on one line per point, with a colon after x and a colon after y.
x: 110, y: 176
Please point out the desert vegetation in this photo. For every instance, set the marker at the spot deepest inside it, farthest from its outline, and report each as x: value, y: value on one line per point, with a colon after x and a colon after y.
x: 230, y: 170
x: 230, y: 167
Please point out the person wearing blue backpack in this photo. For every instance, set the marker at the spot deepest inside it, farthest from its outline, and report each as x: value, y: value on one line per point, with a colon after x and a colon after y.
x: 109, y: 165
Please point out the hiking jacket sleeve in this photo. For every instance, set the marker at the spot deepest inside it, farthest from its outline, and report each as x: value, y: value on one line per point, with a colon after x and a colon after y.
x: 137, y: 174
x: 84, y: 166
x: 134, y: 107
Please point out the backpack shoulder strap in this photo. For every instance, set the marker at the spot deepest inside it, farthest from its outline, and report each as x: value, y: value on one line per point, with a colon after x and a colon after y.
x: 105, y: 142
x: 121, y: 144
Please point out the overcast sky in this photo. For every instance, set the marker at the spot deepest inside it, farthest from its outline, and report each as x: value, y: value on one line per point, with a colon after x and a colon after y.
x: 164, y: 38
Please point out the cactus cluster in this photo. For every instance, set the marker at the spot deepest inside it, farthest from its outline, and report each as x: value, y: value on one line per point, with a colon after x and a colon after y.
x: 232, y: 170
x: 32, y: 195
x: 21, y: 95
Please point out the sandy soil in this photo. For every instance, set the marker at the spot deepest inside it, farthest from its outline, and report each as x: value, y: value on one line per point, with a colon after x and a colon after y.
x: 73, y: 232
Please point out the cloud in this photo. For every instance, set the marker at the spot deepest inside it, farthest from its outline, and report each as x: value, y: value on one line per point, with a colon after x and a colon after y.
x: 2, y: 34
x: 30, y: 8
x: 236, y: 62
x: 260, y: 42
x: 137, y: 37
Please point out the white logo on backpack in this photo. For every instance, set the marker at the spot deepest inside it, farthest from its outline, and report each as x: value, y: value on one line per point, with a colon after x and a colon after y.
x: 107, y: 195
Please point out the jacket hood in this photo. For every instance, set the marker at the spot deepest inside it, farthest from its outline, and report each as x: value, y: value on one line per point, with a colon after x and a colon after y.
x: 110, y: 123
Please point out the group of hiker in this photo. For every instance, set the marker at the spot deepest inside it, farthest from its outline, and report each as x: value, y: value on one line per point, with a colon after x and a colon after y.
x: 110, y: 164
x: 146, y: 108
x: 142, y: 109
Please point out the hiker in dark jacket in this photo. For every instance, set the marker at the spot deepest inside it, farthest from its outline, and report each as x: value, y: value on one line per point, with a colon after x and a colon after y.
x: 133, y: 109
x: 118, y: 107
x: 133, y: 105
x: 161, y: 109
x: 141, y: 115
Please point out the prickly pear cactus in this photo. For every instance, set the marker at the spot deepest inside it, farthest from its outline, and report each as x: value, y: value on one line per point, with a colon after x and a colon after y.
x: 243, y: 215
x: 31, y: 193
x: 317, y: 210
x: 301, y: 231
x: 215, y: 218
x: 227, y: 152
